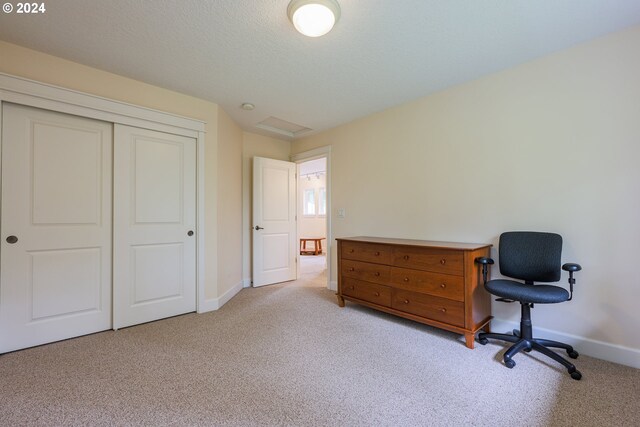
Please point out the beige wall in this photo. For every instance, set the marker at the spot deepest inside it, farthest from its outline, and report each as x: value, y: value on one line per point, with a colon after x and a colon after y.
x: 550, y: 145
x: 255, y: 146
x: 229, y: 203
x: 37, y: 66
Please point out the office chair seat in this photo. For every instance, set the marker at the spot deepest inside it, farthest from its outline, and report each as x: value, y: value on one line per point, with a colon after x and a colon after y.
x: 535, y: 294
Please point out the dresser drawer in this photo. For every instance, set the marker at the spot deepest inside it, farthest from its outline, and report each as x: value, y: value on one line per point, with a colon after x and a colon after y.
x: 441, y: 285
x: 376, y: 273
x: 381, y: 254
x: 428, y: 259
x: 371, y: 292
x: 441, y: 309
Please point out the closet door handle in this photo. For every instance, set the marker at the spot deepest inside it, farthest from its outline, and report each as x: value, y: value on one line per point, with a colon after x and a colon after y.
x: 190, y: 233
x: 12, y: 239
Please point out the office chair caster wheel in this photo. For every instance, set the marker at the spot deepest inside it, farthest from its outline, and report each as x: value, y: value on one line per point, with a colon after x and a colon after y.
x: 509, y: 363
x: 573, y: 354
x: 483, y: 341
x: 576, y: 375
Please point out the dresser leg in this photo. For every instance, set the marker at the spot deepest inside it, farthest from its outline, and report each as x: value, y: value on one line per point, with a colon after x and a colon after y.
x: 340, y: 301
x: 470, y: 340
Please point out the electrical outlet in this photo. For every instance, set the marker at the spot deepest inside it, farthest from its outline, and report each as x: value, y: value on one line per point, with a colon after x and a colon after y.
x: 341, y: 212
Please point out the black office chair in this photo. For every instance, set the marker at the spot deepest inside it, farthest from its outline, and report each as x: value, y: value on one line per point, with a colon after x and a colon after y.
x: 532, y: 257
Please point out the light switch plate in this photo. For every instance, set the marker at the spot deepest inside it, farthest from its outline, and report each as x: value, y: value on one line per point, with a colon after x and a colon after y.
x: 341, y: 213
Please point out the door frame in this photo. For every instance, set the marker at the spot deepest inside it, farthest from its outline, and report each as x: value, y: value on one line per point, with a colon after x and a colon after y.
x: 305, y: 156
x: 19, y: 90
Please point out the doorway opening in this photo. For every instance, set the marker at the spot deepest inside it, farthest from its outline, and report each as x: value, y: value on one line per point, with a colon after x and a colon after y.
x: 312, y: 212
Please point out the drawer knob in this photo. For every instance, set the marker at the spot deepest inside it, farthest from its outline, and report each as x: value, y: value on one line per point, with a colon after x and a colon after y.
x: 351, y: 269
x: 444, y: 310
x: 351, y: 251
x: 351, y: 287
x: 443, y: 261
x: 377, y: 253
x: 444, y: 285
x: 406, y: 257
x: 406, y: 279
x: 406, y: 301
x: 377, y: 273
x: 377, y: 294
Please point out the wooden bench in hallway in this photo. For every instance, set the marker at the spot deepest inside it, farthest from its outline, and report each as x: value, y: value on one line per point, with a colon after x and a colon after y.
x: 317, y: 245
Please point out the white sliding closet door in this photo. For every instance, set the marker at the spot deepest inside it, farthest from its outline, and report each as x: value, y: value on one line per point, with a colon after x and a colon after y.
x: 154, y: 225
x: 55, y: 264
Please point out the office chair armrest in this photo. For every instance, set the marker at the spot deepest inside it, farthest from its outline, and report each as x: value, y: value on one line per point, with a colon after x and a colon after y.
x: 571, y: 267
x: 485, y: 263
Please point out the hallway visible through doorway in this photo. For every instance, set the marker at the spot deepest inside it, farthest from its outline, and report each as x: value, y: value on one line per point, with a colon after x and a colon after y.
x: 312, y: 219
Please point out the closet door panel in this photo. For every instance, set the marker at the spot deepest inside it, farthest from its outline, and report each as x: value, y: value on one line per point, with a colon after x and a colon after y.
x: 55, y: 276
x: 154, y: 225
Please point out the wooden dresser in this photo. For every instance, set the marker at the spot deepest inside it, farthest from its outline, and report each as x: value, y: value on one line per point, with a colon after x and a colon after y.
x: 436, y: 283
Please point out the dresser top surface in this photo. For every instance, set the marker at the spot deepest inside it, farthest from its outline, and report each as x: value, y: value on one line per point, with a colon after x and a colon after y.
x: 419, y: 243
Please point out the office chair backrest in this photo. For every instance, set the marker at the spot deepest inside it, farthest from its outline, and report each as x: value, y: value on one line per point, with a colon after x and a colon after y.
x: 531, y: 256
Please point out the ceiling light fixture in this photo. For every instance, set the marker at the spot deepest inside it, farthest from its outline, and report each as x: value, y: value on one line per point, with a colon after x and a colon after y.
x: 247, y: 106
x: 313, y: 18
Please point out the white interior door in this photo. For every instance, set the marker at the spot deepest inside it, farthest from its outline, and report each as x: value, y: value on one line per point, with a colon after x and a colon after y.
x: 154, y: 225
x: 274, y: 221
x: 55, y: 263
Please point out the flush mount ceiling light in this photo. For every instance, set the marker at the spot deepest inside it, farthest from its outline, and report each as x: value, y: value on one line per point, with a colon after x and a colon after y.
x: 314, y: 18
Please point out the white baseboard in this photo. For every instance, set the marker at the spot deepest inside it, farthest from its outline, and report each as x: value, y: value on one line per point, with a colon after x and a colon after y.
x: 213, y: 304
x: 598, y: 349
x: 208, y: 305
x: 333, y: 285
x: 246, y: 283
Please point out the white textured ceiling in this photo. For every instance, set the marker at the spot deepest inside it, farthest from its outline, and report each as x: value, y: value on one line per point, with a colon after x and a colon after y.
x: 380, y: 54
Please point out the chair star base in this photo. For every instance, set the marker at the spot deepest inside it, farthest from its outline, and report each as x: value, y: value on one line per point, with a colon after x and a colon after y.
x: 523, y: 341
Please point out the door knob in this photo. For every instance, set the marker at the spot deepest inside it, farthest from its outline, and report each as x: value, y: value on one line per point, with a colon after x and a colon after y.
x: 258, y: 228
x: 190, y: 233
x: 12, y: 239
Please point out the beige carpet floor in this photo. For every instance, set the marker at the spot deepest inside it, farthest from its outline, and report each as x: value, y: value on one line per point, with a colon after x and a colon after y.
x: 288, y: 355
